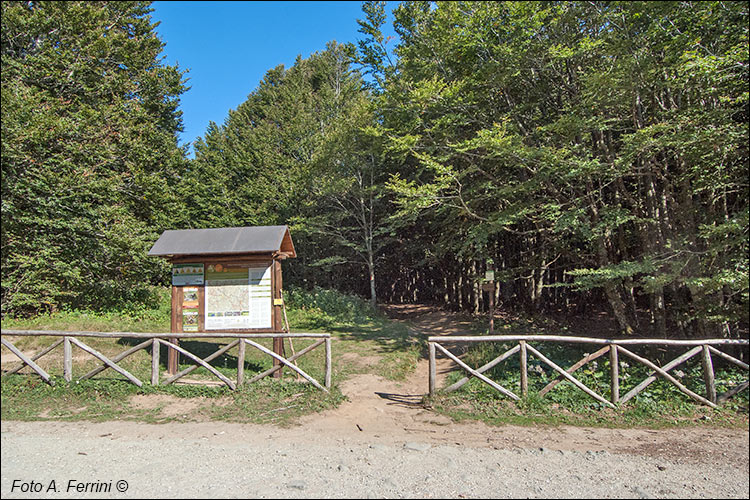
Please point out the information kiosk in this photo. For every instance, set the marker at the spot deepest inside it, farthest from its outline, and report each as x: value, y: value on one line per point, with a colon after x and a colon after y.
x: 226, y: 280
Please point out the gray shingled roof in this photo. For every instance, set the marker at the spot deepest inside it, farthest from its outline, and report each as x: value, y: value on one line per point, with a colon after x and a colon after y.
x: 225, y: 240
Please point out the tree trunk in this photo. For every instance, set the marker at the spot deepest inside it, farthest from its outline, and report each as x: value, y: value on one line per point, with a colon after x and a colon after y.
x: 371, y: 270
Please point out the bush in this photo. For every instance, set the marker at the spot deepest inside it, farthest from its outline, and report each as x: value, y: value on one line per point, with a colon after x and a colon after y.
x: 322, y: 308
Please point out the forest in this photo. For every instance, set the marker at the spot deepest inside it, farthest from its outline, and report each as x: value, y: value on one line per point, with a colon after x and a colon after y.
x: 593, y: 154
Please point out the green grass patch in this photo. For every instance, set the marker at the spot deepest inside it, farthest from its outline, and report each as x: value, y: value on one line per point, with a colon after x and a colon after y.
x: 360, y: 332
x: 280, y: 402
x: 364, y: 340
x: 152, y: 317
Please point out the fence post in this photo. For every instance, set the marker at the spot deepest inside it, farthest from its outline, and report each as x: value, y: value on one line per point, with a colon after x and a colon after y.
x: 432, y: 367
x: 708, y: 374
x: 241, y: 362
x: 524, y: 370
x: 67, y: 359
x: 614, y: 372
x: 155, y: 362
x: 328, y: 363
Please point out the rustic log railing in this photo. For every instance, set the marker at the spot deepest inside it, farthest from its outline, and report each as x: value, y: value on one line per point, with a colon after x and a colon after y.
x: 155, y: 341
x: 613, y: 347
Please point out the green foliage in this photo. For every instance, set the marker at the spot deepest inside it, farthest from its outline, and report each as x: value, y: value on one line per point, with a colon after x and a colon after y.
x: 305, y: 129
x: 89, y: 153
x: 149, y: 315
x: 608, y: 138
x: 27, y: 398
x: 322, y: 308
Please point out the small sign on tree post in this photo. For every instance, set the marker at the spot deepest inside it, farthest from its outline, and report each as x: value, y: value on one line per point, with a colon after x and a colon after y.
x: 489, y: 285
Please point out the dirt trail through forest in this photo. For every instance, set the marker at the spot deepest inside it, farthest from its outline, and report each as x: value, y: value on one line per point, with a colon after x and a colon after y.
x: 392, y: 411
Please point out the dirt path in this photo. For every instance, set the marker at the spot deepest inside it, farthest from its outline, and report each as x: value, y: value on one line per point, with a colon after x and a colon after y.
x: 381, y: 443
x: 392, y: 411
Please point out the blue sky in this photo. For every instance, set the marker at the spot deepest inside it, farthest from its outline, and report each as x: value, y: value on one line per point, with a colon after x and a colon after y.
x: 229, y: 46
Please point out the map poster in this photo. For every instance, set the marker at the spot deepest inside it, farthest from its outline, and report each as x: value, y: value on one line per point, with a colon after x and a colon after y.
x: 189, y: 309
x: 227, y: 301
x: 187, y: 274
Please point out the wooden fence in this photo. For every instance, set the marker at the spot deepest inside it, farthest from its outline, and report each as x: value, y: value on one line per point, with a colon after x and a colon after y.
x: 615, y: 348
x: 156, y: 340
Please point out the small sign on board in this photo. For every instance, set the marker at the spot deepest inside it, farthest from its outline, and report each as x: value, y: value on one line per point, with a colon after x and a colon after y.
x: 187, y: 274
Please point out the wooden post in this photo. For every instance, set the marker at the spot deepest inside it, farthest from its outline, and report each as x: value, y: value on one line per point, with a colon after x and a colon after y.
x: 708, y: 375
x: 241, y: 363
x: 155, y: 362
x: 492, y: 307
x: 278, y: 342
x: 328, y: 363
x: 433, y: 369
x: 173, y: 357
x: 614, y: 373
x: 524, y: 370
x: 67, y: 359
x: 489, y: 285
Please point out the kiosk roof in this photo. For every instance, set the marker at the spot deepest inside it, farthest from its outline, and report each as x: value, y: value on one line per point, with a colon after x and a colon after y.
x: 224, y: 240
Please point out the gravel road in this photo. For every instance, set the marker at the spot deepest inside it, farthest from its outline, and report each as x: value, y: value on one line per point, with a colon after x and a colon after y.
x: 248, y: 461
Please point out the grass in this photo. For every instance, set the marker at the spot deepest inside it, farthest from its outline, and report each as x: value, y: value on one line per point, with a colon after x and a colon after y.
x: 358, y: 331
x: 364, y: 341
x: 27, y: 398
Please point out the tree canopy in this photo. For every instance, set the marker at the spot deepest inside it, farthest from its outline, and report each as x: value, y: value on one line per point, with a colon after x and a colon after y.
x: 592, y: 153
x: 89, y: 153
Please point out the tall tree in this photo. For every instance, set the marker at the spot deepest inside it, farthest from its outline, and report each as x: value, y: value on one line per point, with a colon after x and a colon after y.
x: 599, y: 146
x: 89, y: 153
x: 297, y: 152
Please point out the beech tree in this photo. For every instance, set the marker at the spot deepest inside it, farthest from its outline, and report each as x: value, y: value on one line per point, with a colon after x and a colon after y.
x: 601, y: 147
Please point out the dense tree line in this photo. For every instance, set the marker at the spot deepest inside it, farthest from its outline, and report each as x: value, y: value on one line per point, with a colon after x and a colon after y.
x: 584, y: 147
x: 89, y: 153
x: 591, y: 153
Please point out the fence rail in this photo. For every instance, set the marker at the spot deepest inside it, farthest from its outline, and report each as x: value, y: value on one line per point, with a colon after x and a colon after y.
x: 613, y: 347
x: 155, y: 341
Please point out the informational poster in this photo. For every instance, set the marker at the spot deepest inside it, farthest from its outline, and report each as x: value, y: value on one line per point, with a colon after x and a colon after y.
x: 260, y: 297
x: 187, y: 274
x: 237, y: 297
x: 189, y: 309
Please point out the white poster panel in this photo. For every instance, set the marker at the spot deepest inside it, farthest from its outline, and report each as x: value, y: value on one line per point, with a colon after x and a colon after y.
x: 260, y: 297
x: 238, y: 298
